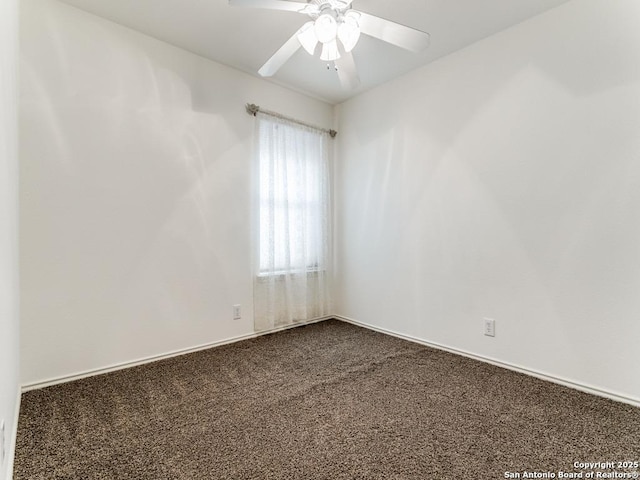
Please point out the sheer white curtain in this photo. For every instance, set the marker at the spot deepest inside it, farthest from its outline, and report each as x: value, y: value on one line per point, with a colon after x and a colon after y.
x: 292, y: 269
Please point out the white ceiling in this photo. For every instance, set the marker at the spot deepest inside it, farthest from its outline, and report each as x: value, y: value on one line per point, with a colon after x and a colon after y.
x: 244, y: 38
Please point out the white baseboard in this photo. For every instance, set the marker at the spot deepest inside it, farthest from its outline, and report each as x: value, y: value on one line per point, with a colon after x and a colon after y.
x: 509, y: 366
x: 121, y: 366
x: 11, y: 450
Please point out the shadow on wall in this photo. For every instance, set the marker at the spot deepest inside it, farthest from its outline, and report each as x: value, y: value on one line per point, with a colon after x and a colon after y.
x: 505, y: 185
x: 132, y: 196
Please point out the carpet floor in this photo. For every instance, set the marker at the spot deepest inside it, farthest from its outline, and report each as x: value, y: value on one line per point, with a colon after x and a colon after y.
x: 325, y: 401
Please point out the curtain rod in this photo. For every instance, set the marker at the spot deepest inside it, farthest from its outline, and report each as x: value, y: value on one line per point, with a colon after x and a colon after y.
x: 253, y: 109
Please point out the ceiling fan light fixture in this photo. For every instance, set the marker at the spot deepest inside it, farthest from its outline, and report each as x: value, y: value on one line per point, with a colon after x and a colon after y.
x: 338, y: 27
x: 349, y: 31
x: 307, y: 37
x: 326, y: 28
x: 330, y: 51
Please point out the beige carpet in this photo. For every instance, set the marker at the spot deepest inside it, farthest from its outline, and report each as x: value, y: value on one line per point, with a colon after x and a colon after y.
x: 327, y: 401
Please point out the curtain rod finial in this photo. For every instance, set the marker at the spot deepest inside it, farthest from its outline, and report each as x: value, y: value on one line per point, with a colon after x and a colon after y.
x: 333, y: 133
x: 252, y: 109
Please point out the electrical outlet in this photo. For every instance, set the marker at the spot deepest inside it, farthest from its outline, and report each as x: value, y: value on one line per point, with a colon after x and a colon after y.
x: 237, y: 314
x: 2, y: 442
x: 489, y: 327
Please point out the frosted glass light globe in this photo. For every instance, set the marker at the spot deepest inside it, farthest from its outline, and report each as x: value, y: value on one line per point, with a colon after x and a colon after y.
x: 307, y: 37
x: 326, y: 28
x: 349, y: 32
x: 330, y: 51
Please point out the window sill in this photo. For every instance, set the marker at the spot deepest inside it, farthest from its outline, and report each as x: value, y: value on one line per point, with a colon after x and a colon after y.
x: 281, y: 275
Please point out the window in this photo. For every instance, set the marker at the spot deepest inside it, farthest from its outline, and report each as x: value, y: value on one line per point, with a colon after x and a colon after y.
x: 294, y: 199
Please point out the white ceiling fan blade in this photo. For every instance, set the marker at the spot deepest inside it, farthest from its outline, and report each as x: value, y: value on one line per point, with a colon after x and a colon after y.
x: 270, y: 4
x: 347, y: 72
x: 279, y: 58
x: 394, y: 33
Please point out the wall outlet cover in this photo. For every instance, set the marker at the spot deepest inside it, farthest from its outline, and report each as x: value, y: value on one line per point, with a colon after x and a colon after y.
x: 489, y: 327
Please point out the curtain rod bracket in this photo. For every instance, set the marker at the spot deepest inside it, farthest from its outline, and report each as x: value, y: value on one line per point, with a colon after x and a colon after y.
x: 252, y: 109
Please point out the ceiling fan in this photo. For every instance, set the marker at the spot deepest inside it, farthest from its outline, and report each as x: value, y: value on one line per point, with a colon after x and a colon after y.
x: 337, y: 27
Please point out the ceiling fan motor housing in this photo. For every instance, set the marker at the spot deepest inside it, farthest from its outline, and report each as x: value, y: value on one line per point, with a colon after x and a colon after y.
x: 336, y: 8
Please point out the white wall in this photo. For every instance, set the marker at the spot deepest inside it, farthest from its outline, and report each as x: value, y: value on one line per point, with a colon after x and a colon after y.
x: 135, y: 191
x: 9, y: 322
x: 503, y: 181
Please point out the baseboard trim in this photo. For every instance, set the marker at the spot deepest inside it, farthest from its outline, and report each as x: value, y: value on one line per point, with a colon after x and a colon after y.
x: 11, y: 451
x: 499, y: 363
x: 154, y: 358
